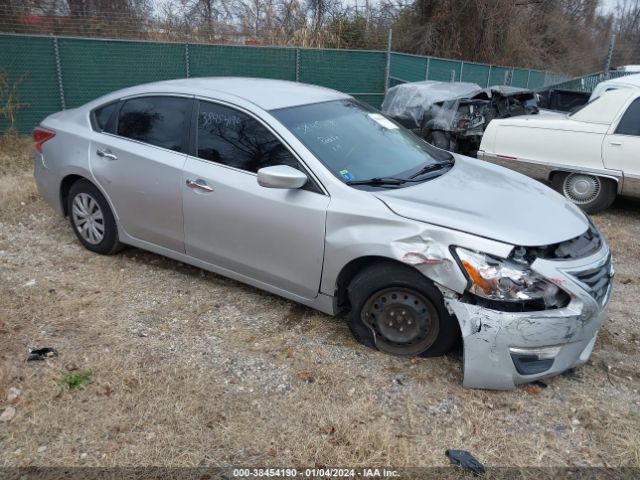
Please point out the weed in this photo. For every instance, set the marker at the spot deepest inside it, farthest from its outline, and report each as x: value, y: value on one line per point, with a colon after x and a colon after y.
x: 73, y: 381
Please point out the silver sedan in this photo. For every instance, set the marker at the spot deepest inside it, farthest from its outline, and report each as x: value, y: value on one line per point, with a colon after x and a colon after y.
x: 307, y: 193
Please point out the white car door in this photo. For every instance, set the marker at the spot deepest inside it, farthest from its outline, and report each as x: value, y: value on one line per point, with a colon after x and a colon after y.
x: 621, y: 147
x: 139, y: 166
x: 272, y: 236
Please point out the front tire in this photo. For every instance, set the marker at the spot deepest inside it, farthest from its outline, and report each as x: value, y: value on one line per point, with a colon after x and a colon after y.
x: 91, y: 218
x: 399, y: 311
x: 591, y: 193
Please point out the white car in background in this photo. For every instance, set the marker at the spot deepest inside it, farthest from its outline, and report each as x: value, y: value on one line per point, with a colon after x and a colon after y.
x: 629, y: 81
x: 590, y: 156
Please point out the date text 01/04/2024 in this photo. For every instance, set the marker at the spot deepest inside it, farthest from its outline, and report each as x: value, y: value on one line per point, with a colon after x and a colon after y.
x: 315, y: 472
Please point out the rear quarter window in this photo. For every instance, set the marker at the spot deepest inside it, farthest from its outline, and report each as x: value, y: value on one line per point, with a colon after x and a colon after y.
x: 101, y: 117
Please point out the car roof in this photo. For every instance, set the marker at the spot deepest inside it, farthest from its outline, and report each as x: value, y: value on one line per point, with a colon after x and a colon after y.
x: 267, y: 94
x: 626, y: 80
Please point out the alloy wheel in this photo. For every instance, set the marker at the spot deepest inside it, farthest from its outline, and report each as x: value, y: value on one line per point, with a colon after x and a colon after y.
x: 88, y: 218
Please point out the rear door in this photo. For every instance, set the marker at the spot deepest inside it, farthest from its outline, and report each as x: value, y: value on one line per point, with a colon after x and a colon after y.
x: 621, y: 147
x: 274, y: 236
x: 138, y: 162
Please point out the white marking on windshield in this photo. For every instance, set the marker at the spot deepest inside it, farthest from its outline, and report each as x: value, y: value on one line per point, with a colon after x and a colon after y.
x: 382, y: 121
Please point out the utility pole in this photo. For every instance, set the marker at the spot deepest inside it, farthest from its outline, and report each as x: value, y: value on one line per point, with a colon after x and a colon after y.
x: 612, y: 44
x: 387, y: 70
x: 367, y: 10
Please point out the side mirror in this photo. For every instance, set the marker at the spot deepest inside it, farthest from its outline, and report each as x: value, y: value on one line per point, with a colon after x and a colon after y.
x: 281, y: 176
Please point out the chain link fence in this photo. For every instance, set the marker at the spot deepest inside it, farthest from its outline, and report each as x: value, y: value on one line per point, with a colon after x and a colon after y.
x: 415, y: 68
x: 49, y: 73
x: 54, y: 73
x: 587, y: 83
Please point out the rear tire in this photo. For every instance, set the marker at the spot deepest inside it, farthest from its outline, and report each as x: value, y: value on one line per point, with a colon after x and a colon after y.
x: 591, y: 193
x: 441, y: 140
x: 91, y: 218
x: 397, y: 310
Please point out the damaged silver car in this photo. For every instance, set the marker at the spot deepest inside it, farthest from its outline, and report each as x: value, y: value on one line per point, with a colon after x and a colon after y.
x: 453, y: 116
x: 307, y: 193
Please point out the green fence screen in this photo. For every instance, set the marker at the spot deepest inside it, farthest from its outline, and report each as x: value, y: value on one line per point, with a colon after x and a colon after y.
x: 52, y: 73
x: 30, y: 63
x: 414, y: 68
x: 68, y: 72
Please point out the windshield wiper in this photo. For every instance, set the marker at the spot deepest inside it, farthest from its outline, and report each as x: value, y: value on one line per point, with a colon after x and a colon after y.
x: 399, y: 181
x: 432, y: 167
x: 378, y: 181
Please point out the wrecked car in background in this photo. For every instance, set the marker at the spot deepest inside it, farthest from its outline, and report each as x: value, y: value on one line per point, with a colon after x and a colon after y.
x: 309, y: 194
x: 453, y: 115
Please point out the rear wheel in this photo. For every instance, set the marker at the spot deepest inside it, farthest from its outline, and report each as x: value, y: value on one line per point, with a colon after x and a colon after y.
x: 91, y: 218
x: 399, y: 311
x: 591, y: 193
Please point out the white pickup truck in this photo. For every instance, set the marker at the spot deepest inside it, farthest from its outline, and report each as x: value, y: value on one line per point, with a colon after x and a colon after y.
x: 590, y: 156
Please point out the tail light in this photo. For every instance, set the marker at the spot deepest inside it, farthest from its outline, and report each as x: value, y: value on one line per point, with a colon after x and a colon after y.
x: 41, y: 135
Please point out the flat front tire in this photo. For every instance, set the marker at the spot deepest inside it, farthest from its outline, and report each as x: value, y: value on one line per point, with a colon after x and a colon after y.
x: 591, y: 193
x: 397, y: 310
x: 91, y: 218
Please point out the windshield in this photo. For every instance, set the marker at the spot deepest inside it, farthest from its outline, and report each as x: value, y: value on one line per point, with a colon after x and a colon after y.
x: 357, y: 143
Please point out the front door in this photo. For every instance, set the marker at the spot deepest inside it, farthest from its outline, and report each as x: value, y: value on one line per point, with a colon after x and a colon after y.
x: 274, y: 236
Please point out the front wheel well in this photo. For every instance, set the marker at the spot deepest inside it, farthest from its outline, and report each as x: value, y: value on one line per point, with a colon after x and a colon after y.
x: 65, y: 187
x: 351, y: 269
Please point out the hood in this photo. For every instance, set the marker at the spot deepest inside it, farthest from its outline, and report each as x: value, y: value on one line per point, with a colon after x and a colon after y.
x: 490, y: 201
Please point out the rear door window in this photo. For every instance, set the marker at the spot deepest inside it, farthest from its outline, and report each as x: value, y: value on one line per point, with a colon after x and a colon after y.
x: 630, y: 121
x: 158, y: 121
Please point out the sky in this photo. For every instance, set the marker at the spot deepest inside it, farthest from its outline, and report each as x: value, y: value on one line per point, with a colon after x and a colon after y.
x: 608, y: 5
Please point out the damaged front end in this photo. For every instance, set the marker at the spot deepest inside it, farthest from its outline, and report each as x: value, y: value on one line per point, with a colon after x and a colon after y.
x: 461, y: 122
x: 534, y: 316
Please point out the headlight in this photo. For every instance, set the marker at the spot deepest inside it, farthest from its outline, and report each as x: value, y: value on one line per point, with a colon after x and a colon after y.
x: 503, y: 280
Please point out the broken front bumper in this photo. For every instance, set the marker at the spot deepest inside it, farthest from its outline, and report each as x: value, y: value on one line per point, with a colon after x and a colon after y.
x: 495, y: 342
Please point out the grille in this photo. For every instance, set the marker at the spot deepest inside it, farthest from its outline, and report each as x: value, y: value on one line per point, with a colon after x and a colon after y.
x: 597, y: 280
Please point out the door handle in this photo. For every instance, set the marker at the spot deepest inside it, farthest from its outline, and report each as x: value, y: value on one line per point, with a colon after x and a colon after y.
x: 106, y: 154
x: 199, y: 185
x: 615, y: 144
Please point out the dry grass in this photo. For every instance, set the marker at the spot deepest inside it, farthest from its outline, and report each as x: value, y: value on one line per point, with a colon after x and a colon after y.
x: 17, y: 188
x: 15, y: 153
x: 188, y: 369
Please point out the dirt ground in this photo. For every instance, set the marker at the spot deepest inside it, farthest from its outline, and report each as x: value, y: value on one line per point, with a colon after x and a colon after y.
x: 164, y: 364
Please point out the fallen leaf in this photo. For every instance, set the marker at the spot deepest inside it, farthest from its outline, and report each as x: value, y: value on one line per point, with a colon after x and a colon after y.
x: 106, y: 391
x: 305, y: 376
x: 111, y: 447
x: 531, y: 389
